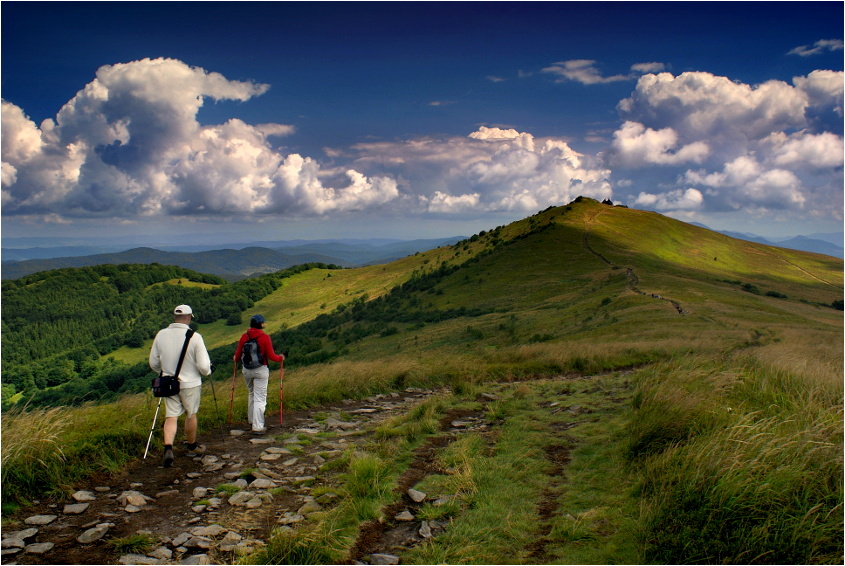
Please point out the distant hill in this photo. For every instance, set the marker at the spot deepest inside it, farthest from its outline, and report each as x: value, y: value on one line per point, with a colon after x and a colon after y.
x: 231, y: 264
x: 815, y: 243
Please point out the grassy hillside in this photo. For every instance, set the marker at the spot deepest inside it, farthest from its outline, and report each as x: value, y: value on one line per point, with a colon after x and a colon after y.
x: 730, y: 447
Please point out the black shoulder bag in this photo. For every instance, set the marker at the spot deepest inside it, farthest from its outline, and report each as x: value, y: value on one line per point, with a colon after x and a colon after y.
x: 168, y: 385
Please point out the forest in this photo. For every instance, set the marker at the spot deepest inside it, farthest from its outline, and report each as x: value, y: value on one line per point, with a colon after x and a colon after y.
x: 58, y: 326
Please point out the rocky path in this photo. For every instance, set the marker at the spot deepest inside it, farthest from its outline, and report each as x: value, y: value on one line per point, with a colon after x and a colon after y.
x: 208, y: 509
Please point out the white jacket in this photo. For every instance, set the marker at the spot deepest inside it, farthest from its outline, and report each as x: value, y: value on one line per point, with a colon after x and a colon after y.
x: 164, y: 355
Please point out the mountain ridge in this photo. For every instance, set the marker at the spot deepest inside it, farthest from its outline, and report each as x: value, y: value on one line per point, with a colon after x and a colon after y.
x: 238, y: 263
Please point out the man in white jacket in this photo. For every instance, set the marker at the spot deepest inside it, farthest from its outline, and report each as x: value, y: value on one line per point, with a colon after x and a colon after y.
x: 164, y: 357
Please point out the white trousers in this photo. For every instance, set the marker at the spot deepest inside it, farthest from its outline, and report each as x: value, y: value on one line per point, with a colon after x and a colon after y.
x: 256, y: 382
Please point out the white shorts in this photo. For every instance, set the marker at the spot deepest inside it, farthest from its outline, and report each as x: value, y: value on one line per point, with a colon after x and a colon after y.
x: 187, y: 402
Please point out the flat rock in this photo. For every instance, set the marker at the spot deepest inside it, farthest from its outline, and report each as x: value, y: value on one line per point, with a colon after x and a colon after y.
x: 262, y: 484
x: 404, y: 516
x: 237, y: 432
x: 263, y: 440
x: 181, y: 539
x: 161, y: 553
x: 335, y: 423
x: 132, y: 509
x: 384, y: 559
x: 270, y: 457
x: 240, y: 498
x: 75, y: 508
x: 209, y: 531
x: 40, y: 519
x: 197, y: 559
x: 200, y: 492
x: 136, y: 500
x: 23, y: 534
x: 277, y: 450
x: 167, y: 493
x: 83, y: 496
x: 10, y: 541
x: 137, y: 559
x: 39, y: 547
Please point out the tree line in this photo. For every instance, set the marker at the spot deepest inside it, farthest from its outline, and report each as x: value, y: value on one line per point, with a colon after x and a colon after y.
x: 58, y: 325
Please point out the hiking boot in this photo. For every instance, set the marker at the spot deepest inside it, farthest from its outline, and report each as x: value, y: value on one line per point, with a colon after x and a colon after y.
x: 168, y: 458
x: 198, y: 451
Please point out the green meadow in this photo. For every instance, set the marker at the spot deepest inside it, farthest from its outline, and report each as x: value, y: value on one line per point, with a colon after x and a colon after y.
x: 712, y: 368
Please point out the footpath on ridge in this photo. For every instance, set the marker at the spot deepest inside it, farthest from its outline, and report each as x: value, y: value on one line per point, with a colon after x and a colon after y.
x: 181, y: 507
x: 219, y: 507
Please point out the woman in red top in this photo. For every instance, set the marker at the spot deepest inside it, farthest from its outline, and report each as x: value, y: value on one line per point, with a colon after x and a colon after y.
x: 257, y: 379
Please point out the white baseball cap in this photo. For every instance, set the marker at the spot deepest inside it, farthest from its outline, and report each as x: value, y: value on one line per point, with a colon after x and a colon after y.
x: 183, y: 309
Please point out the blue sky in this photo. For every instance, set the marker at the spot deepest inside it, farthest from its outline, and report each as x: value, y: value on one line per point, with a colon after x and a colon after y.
x: 219, y: 121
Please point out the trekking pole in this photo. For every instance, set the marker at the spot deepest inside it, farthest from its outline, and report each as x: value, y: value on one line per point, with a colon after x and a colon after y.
x: 232, y: 398
x: 155, y: 417
x: 281, y: 381
x: 217, y: 409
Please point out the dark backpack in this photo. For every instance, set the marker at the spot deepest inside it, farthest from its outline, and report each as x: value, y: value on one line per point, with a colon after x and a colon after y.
x: 251, y: 354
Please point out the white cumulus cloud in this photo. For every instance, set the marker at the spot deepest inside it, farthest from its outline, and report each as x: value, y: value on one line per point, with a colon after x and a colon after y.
x: 772, y: 146
x: 129, y: 144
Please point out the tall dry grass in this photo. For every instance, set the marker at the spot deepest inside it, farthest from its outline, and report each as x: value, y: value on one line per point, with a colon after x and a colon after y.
x: 32, y: 455
x: 740, y: 460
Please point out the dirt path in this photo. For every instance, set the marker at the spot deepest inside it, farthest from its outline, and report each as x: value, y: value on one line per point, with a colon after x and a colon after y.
x: 176, y: 505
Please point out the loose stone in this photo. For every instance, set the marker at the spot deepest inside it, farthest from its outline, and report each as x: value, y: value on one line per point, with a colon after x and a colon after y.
x: 197, y: 559
x: 38, y: 547
x: 23, y: 535
x: 209, y: 531
x: 12, y: 542
x: 277, y: 450
x: 102, y: 488
x: 181, y: 539
x: 92, y: 535
x: 405, y: 516
x: 262, y: 484
x: 270, y: 457
x: 83, y: 496
x: 161, y: 553
x: 425, y: 530
x: 236, y: 432
x: 241, y: 498
x: 384, y: 559
x: 168, y: 493
x: 137, y: 559
x: 416, y: 496
x: 75, y: 508
x: 200, y: 492
x: 136, y: 500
